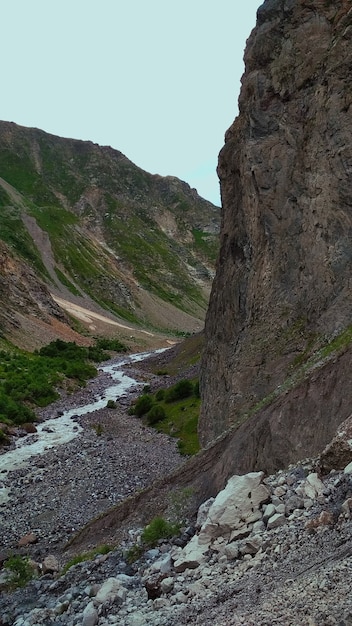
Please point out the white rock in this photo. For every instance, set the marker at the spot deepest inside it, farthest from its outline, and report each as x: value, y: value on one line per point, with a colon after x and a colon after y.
x: 269, y: 511
x: 251, y: 545
x: 313, y: 486
x: 192, y: 555
x: 276, y: 520
x: 111, y: 591
x: 159, y: 603
x: 167, y: 584
x: 90, y: 615
x: 163, y: 565
x: 136, y: 619
x: 203, y: 512
x: 236, y: 505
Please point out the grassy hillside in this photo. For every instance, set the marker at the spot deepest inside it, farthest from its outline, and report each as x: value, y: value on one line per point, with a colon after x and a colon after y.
x: 114, y: 230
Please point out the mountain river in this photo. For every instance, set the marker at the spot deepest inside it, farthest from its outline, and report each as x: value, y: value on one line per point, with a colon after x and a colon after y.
x: 60, y: 430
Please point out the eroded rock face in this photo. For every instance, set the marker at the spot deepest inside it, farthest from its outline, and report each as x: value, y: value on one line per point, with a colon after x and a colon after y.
x: 283, y: 274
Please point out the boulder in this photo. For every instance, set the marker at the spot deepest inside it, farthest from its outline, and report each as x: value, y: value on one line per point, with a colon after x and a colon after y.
x: 111, y: 592
x: 50, y: 564
x: 191, y: 556
x: 235, y: 506
x: 338, y: 453
x: 28, y: 539
x: 90, y: 615
x: 313, y: 486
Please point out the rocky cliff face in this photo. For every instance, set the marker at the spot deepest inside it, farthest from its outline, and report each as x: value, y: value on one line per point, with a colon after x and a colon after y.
x: 283, y: 282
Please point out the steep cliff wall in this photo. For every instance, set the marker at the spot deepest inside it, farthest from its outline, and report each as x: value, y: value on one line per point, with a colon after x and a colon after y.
x: 283, y: 280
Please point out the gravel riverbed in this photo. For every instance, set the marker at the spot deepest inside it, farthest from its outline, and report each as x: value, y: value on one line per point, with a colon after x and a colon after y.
x: 113, y: 455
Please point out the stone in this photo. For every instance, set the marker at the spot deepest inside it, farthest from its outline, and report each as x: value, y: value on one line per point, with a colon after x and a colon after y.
x: 269, y: 511
x: 50, y: 565
x: 163, y: 565
x: 346, y: 507
x: 235, y: 506
x: 251, y: 545
x: 325, y: 518
x: 231, y: 551
x: 167, y: 584
x: 338, y: 453
x: 111, y: 592
x: 276, y: 520
x: 313, y: 486
x: 153, y: 586
x: 203, y: 512
x: 28, y: 539
x: 90, y: 615
x: 191, y: 556
x: 292, y: 503
x: 348, y: 468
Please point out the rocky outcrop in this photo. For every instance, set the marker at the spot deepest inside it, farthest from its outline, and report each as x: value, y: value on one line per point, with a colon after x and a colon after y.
x: 282, y: 285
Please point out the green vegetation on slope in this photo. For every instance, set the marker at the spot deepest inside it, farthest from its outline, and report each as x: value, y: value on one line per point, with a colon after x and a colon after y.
x: 29, y: 380
x: 173, y: 411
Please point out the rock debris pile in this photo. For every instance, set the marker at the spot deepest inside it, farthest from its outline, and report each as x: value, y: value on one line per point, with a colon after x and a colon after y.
x: 274, y: 550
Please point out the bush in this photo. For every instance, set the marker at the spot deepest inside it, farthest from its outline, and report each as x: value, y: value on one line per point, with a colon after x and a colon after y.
x: 111, y: 404
x: 156, y: 414
x: 182, y: 389
x: 110, y: 344
x: 160, y: 395
x: 99, y: 429
x: 143, y: 405
x: 159, y: 528
x: 20, y: 571
x: 196, y: 391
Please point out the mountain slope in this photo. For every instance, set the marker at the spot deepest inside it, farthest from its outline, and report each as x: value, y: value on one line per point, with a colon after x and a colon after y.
x: 100, y: 231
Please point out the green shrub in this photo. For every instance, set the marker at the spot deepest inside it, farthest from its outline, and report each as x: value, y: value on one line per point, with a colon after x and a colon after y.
x: 143, y: 405
x: 160, y: 395
x: 159, y: 528
x: 98, y: 428
x: 111, y: 404
x: 20, y: 571
x: 156, y: 414
x: 134, y: 553
x: 110, y: 344
x: 87, y: 556
x: 182, y: 389
x: 196, y: 391
x: 146, y: 389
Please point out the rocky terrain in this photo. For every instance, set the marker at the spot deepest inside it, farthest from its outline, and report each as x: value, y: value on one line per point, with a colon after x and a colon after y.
x: 59, y: 492
x: 267, y: 550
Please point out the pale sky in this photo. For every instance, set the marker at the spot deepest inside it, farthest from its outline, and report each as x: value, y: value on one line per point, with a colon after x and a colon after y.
x: 156, y: 79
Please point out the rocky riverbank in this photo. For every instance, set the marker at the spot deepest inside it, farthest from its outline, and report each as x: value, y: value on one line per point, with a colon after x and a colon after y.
x: 58, y: 492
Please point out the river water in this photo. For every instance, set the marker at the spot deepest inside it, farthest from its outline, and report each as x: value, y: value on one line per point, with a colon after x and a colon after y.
x: 60, y: 430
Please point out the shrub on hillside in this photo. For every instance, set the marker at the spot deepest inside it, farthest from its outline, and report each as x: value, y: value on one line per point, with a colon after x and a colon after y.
x: 156, y: 414
x: 182, y: 389
x: 143, y: 405
x: 159, y: 528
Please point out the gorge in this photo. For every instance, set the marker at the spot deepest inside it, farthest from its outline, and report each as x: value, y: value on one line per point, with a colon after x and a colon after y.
x: 275, y: 378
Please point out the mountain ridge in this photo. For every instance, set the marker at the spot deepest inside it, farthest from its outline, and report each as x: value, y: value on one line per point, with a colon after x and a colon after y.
x: 96, y: 228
